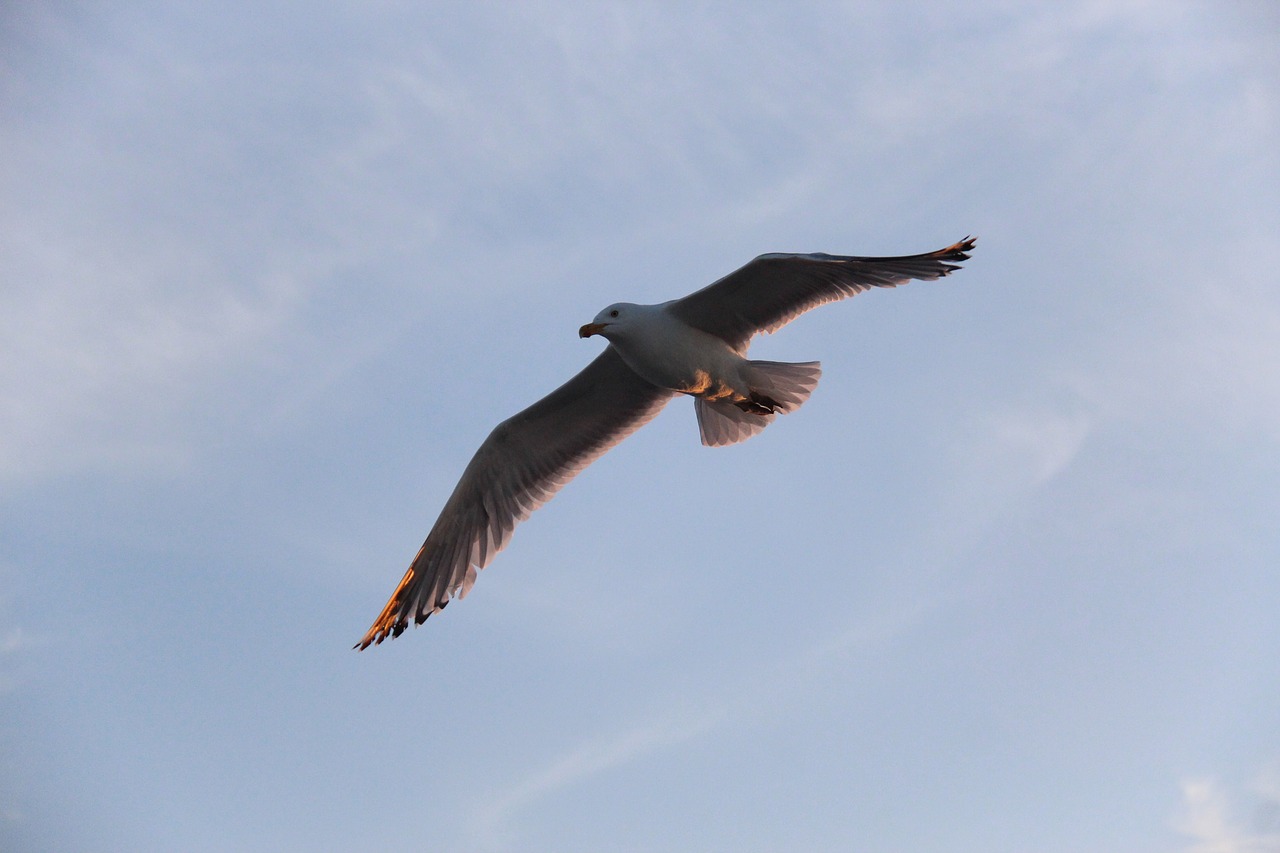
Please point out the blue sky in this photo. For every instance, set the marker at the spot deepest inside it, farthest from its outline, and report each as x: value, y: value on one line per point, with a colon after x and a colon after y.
x: 1008, y: 582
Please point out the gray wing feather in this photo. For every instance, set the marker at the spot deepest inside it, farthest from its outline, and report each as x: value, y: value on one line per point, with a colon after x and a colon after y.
x: 521, y: 465
x: 773, y: 290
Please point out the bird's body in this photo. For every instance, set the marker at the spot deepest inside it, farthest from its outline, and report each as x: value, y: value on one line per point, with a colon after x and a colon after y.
x: 696, y: 346
x: 667, y: 352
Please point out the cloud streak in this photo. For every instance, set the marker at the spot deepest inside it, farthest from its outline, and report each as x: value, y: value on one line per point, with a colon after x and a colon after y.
x: 1210, y: 822
x: 491, y: 821
x: 757, y: 696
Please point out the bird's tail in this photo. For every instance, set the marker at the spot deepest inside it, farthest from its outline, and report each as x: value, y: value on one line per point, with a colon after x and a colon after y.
x: 776, y: 387
x: 786, y: 384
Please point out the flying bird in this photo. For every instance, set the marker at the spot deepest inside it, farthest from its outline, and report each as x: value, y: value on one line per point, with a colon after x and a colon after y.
x: 697, y: 346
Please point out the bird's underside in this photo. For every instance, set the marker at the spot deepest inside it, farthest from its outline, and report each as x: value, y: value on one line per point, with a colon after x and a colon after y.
x: 530, y: 456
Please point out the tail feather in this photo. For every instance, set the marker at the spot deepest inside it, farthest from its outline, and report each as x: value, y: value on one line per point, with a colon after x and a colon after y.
x: 723, y: 422
x: 790, y: 384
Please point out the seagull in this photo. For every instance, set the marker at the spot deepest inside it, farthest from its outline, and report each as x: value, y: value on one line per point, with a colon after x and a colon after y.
x: 697, y: 346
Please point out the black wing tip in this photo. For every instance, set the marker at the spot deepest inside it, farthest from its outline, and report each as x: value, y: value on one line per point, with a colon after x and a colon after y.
x: 378, y: 633
x: 381, y: 631
x: 957, y: 251
x: 375, y: 637
x: 952, y: 256
x: 954, y: 253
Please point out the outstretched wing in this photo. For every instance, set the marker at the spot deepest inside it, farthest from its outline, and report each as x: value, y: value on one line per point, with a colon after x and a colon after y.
x: 524, y: 461
x: 773, y: 290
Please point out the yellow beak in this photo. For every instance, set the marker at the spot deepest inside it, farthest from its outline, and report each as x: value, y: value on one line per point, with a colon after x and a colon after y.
x: 591, y: 329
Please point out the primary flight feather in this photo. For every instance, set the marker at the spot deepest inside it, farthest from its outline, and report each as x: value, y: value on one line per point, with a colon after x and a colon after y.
x: 695, y: 346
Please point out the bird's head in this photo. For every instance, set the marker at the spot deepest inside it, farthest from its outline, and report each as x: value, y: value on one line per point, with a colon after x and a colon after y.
x: 609, y: 321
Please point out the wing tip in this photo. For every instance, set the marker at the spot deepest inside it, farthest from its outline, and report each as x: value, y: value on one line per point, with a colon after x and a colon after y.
x: 378, y: 632
x: 389, y: 629
x: 395, y: 616
x: 956, y: 252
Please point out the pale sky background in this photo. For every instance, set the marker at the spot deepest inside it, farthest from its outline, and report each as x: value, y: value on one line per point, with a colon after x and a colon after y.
x: 1010, y: 581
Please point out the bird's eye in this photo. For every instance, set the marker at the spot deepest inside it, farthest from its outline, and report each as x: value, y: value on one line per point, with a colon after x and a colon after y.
x: 613, y: 313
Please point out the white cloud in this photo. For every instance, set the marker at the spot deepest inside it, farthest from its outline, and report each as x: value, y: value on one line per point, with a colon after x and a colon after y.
x: 1202, y: 351
x: 1209, y: 820
x: 762, y: 694
x: 15, y: 640
x: 1000, y: 459
x: 95, y: 360
x: 492, y: 819
x: 1040, y: 444
x: 11, y: 645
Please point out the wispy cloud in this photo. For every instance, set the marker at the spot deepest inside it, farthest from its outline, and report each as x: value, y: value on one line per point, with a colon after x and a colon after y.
x: 758, y: 696
x: 1002, y: 457
x: 13, y: 641
x: 597, y: 755
x: 92, y: 372
x: 1209, y: 820
x: 1040, y: 444
x: 11, y: 645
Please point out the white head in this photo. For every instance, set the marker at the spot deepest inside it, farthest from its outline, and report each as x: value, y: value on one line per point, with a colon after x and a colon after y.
x: 616, y: 318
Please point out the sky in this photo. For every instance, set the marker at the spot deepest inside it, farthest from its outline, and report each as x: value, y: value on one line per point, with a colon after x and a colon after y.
x: 269, y: 273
